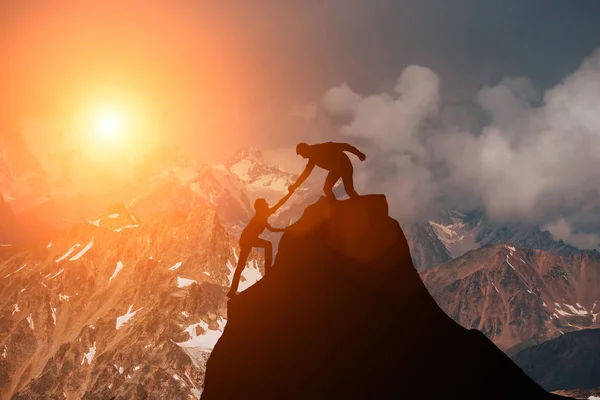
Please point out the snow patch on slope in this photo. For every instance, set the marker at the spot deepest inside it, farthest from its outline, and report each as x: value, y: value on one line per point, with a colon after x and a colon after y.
x: 577, y: 310
x: 89, y: 356
x: 176, y: 266
x: 508, y: 262
x: 56, y: 274
x: 12, y: 273
x: 123, y: 319
x: 68, y: 253
x: 120, y: 369
x: 199, y: 346
x: 118, y: 268
x: 208, y: 339
x: 53, y: 309
x: 446, y: 234
x: 183, y: 282
x: 251, y: 273
x: 30, y: 321
x: 495, y: 287
x: 82, y: 252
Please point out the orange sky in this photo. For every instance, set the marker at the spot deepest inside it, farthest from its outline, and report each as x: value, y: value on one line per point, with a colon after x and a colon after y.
x: 207, y: 72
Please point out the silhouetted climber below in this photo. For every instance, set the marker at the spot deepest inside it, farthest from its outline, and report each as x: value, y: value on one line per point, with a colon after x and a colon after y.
x: 250, y: 238
x: 330, y: 156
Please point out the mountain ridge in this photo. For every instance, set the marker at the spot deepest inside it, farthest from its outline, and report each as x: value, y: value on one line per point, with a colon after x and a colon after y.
x: 518, y: 297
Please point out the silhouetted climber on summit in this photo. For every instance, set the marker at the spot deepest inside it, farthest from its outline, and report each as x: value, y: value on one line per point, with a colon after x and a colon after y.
x: 329, y: 156
x: 249, y: 238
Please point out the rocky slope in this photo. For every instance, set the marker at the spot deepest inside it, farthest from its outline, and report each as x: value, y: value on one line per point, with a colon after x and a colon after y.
x: 571, y: 361
x: 343, y: 314
x: 117, y: 307
x: 519, y: 297
x: 587, y: 394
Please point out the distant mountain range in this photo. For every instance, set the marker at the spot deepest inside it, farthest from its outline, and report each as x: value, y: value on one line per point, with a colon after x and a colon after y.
x: 519, y: 297
x: 455, y: 233
x: 117, y: 306
x: 156, y: 256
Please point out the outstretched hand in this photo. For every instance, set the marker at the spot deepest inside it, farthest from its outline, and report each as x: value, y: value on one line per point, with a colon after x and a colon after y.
x: 362, y: 156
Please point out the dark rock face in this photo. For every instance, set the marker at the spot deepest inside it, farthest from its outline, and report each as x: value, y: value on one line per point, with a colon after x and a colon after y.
x: 568, y: 362
x: 344, y: 314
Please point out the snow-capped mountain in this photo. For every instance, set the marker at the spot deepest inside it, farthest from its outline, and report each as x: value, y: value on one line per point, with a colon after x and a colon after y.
x: 259, y: 179
x: 455, y: 233
x: 130, y: 301
x: 117, y: 306
x: 519, y: 297
x: 229, y: 187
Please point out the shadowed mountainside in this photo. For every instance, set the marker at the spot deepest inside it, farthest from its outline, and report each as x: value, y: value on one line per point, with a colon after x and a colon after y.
x: 567, y: 362
x: 344, y: 314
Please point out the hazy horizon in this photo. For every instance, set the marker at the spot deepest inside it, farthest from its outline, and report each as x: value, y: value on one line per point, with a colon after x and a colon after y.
x: 471, y: 104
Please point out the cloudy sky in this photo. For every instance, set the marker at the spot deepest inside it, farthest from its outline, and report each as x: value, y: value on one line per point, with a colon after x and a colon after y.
x: 465, y: 103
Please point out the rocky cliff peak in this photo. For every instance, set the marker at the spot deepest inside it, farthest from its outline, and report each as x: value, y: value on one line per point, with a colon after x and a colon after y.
x: 344, y: 314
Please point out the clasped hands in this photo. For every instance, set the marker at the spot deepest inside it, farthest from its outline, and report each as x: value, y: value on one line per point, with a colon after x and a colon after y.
x: 292, y: 188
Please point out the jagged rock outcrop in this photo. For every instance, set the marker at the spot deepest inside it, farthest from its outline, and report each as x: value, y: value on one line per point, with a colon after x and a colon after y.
x: 344, y: 314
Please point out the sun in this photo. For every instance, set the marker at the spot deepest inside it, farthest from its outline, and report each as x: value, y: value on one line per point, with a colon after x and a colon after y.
x: 108, y: 125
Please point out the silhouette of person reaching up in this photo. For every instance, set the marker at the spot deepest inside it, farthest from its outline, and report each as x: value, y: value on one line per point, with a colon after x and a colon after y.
x: 250, y: 238
x: 330, y: 156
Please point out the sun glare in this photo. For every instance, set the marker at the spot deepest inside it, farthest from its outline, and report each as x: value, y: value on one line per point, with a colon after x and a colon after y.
x: 108, y: 125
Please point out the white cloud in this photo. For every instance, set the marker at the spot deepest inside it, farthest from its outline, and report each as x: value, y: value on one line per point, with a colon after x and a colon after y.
x: 390, y: 126
x: 536, y: 160
x: 391, y: 120
x: 562, y: 229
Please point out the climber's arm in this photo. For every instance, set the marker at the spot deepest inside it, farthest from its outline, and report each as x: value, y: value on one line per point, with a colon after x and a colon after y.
x: 351, y: 149
x: 281, y: 202
x: 307, y: 170
x: 272, y: 229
